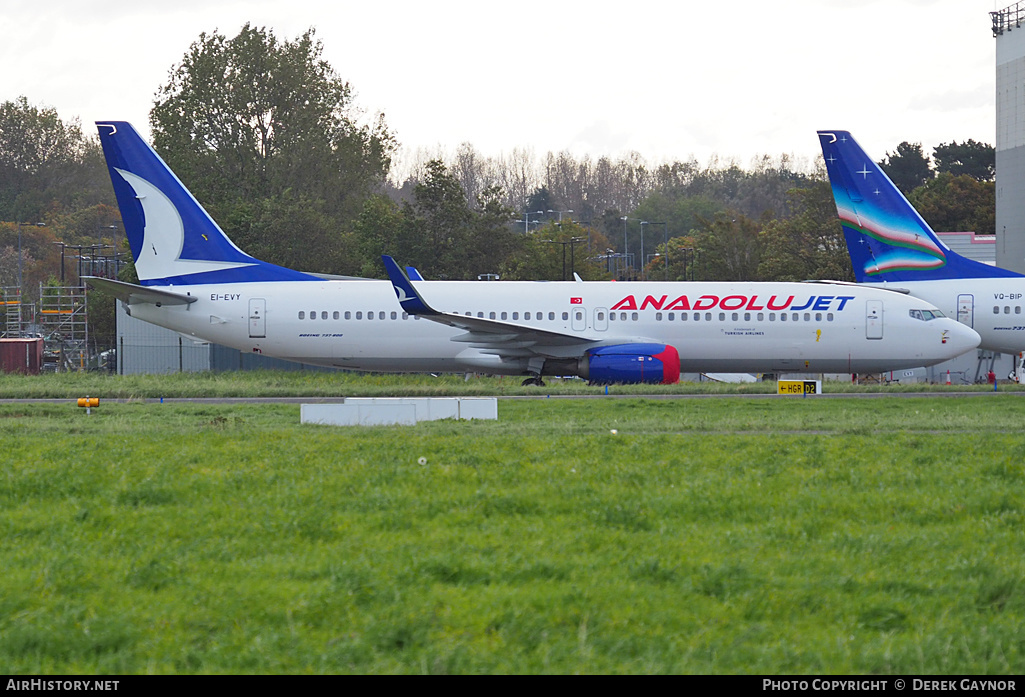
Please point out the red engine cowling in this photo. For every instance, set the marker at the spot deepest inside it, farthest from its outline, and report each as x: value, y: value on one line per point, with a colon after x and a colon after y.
x: 632, y: 363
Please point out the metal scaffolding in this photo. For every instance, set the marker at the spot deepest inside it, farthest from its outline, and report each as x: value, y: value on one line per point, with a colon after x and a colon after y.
x: 64, y: 323
x: 10, y: 304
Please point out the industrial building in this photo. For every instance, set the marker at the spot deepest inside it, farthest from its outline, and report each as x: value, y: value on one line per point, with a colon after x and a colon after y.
x: 1010, y: 136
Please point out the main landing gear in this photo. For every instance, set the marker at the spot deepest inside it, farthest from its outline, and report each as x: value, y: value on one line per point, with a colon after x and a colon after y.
x: 534, y: 367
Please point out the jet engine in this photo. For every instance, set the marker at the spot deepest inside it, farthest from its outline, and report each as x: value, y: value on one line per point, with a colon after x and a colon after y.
x: 631, y: 363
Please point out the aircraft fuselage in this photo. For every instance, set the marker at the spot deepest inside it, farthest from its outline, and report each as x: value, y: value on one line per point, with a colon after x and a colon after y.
x: 716, y: 327
x: 994, y: 307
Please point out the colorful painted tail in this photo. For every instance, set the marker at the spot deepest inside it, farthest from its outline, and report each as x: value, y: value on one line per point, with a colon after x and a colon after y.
x: 174, y: 241
x: 886, y: 237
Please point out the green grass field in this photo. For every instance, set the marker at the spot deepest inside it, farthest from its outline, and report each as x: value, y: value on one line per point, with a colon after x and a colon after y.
x: 342, y: 384
x: 839, y: 535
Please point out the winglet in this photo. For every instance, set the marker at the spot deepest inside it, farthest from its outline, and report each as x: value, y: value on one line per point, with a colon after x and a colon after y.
x: 414, y: 275
x: 409, y: 299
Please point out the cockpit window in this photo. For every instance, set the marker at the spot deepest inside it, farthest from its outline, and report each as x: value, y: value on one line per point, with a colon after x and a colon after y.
x: 925, y: 315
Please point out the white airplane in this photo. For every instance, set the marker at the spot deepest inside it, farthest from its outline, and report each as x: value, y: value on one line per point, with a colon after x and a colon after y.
x: 891, y: 246
x: 195, y: 281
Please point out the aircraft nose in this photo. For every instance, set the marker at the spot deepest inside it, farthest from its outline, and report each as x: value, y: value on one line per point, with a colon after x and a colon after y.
x: 960, y: 338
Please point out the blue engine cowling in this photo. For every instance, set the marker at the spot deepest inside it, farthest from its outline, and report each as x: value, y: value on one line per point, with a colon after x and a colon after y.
x: 632, y: 363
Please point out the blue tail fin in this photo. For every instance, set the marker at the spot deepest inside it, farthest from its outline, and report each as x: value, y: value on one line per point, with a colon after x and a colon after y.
x: 886, y: 237
x: 174, y: 241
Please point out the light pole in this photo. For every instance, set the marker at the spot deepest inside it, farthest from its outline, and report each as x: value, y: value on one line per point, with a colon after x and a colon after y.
x: 99, y: 243
x: 560, y: 213
x: 572, y: 242
x: 626, y: 249
x: 526, y: 219
x: 62, y: 261
x: 665, y: 242
x: 644, y: 262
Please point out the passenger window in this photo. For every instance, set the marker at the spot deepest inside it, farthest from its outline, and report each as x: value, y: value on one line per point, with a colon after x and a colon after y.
x: 818, y: 316
x: 1007, y: 309
x: 491, y: 315
x: 565, y: 316
x: 601, y: 316
x: 772, y: 316
x: 313, y: 314
x: 394, y: 315
x: 735, y: 316
x: 526, y: 315
x: 481, y: 315
x: 359, y: 315
x: 633, y: 316
x: 335, y: 315
x: 794, y: 317
x: 612, y: 316
x: 551, y: 315
x: 505, y: 315
x: 761, y: 316
x: 708, y: 316
x: 302, y: 315
x: 405, y: 315
x: 722, y: 316
x: 782, y: 317
x: 829, y: 317
x: 348, y: 315
x: 323, y: 315
x: 807, y: 317
x: 516, y: 315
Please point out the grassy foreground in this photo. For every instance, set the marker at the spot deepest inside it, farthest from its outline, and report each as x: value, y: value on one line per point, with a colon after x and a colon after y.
x: 704, y: 536
x: 342, y: 384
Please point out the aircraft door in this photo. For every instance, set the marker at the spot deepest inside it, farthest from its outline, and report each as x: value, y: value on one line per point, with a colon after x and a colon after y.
x: 601, y: 319
x: 578, y: 316
x: 874, y: 319
x: 966, y: 309
x: 257, y: 318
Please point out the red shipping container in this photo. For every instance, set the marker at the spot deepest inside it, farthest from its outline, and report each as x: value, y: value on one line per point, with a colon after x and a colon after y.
x: 21, y: 356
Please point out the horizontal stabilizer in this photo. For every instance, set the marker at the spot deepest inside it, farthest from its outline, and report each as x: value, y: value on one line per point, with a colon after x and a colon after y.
x: 132, y: 294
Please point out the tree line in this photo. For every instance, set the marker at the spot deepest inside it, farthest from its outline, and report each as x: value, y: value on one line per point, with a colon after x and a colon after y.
x: 270, y: 139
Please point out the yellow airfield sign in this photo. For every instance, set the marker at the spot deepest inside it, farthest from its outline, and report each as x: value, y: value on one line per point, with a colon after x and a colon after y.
x: 798, y: 387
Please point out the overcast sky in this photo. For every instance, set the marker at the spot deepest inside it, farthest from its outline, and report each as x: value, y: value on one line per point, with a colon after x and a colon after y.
x: 668, y: 80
